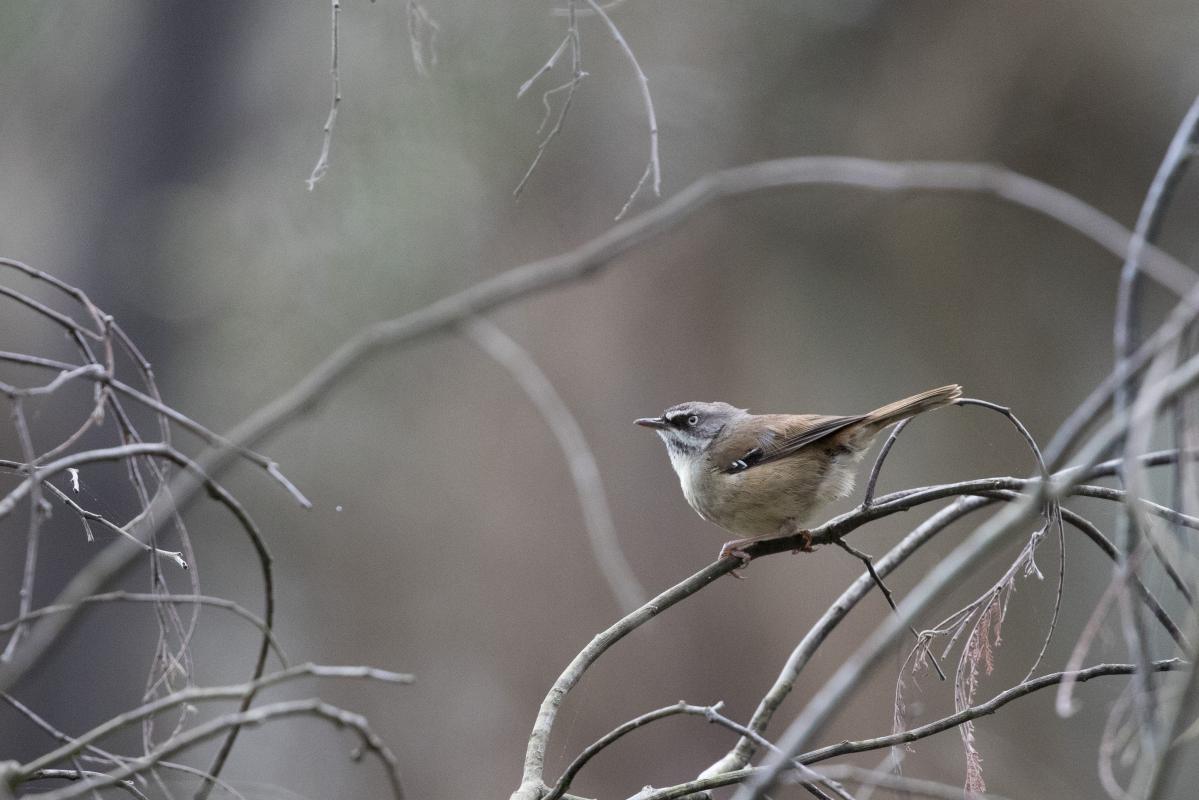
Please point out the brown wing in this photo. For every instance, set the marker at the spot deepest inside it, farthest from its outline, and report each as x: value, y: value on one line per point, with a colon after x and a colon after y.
x: 781, y: 436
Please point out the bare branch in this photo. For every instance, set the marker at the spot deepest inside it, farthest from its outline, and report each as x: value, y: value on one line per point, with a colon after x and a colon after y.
x: 868, y: 561
x: 86, y: 515
x: 136, y: 597
x: 312, y: 708
x: 548, y: 65
x: 653, y: 169
x: 902, y: 784
x: 609, y: 738
x: 96, y: 373
x: 577, y: 74
x: 872, y: 481
x: 36, y: 511
x: 81, y: 774
x: 101, y: 756
x: 710, y: 713
x: 738, y: 776
x: 322, y: 161
x: 982, y: 709
x: 199, y: 694
x: 1148, y: 225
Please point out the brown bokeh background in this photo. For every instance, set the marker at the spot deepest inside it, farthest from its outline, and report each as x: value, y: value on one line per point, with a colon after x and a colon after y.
x: 154, y: 153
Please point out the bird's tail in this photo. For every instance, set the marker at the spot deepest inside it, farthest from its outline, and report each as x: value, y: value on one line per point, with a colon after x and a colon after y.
x: 910, y: 407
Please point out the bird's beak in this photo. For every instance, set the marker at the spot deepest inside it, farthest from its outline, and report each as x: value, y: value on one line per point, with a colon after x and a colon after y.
x: 652, y: 422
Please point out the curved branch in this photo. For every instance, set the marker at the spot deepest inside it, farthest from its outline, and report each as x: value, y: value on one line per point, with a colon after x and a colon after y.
x: 1149, y: 221
x: 921, y: 732
x: 148, y: 597
x: 97, y: 373
x: 197, y: 694
x: 609, y: 738
x: 82, y: 774
x: 312, y: 708
x: 117, y: 555
x: 982, y: 709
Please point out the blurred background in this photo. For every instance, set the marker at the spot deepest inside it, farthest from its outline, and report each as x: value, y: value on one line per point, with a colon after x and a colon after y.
x: 155, y: 153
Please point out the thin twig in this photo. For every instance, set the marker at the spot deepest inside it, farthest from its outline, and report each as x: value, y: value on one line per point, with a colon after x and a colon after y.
x: 575, y: 43
x: 312, y: 708
x: 547, y: 66
x: 951, y: 721
x: 32, y: 536
x: 867, y: 560
x: 583, y: 12
x: 139, y: 597
x: 902, y: 785
x: 1148, y: 225
x: 322, y: 161
x: 98, y: 374
x: 710, y: 713
x: 86, y: 515
x: 100, y: 756
x: 200, y: 694
x: 872, y: 481
x: 653, y: 169
x: 738, y: 776
x: 82, y: 774
x: 1053, y: 517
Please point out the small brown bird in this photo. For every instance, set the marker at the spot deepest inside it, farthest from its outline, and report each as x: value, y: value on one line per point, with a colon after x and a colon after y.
x: 760, y: 476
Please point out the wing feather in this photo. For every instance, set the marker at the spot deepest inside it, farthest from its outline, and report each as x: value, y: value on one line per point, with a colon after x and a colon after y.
x: 788, y: 435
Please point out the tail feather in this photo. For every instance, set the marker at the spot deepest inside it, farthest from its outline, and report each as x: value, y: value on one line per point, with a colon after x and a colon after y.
x: 910, y: 407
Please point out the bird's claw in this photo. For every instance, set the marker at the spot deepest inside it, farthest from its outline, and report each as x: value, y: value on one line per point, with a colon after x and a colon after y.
x: 733, y: 550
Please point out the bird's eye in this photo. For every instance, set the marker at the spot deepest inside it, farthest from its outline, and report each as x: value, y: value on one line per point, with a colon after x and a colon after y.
x: 693, y: 420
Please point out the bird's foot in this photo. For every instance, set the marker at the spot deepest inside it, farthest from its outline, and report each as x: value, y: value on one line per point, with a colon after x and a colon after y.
x: 737, y: 548
x: 734, y: 549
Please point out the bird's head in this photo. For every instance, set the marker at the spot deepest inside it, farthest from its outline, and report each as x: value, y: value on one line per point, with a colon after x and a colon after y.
x: 688, y: 429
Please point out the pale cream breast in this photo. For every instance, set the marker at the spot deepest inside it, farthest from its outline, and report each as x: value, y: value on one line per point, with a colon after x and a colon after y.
x: 760, y: 500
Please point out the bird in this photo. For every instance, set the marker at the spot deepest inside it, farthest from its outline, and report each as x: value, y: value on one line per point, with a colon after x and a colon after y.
x: 762, y: 476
